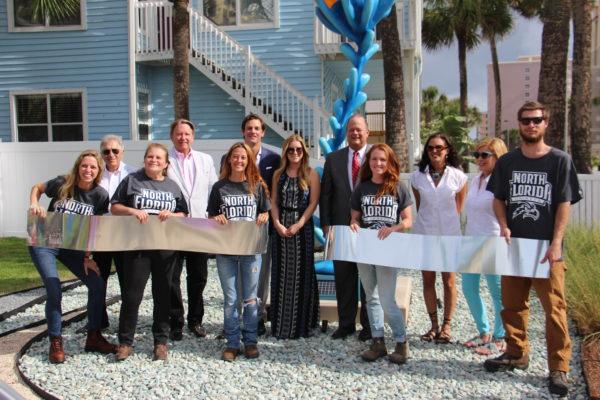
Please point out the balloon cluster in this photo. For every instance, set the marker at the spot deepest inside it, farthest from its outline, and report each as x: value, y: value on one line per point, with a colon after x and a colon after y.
x: 356, y: 20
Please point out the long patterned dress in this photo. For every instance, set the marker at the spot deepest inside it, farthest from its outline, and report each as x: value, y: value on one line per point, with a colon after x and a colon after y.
x: 294, y: 293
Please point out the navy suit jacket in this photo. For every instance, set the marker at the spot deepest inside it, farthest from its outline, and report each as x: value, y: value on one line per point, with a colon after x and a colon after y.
x: 269, y: 162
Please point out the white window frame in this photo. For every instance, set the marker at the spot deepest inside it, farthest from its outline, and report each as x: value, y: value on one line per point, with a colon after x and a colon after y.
x: 137, y: 110
x: 239, y: 26
x: 46, y: 27
x: 13, y: 110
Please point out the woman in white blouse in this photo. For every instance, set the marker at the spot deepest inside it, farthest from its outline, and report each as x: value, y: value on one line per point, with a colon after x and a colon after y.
x: 439, y: 188
x: 481, y: 221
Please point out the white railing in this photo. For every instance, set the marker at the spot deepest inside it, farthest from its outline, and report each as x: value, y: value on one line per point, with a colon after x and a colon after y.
x: 235, y: 69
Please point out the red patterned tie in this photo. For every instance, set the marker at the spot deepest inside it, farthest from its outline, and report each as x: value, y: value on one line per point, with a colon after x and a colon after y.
x: 355, y: 168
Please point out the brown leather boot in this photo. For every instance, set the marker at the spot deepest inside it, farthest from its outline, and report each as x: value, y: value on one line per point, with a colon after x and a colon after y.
x: 400, y: 354
x: 123, y: 351
x: 375, y: 351
x: 57, y: 353
x: 95, y: 342
x: 160, y: 352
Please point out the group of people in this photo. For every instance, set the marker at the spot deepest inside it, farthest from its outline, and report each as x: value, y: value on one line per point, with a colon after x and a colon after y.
x: 524, y: 193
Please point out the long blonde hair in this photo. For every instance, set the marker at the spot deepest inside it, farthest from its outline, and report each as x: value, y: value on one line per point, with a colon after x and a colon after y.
x: 303, y: 171
x: 67, y: 190
x: 252, y: 174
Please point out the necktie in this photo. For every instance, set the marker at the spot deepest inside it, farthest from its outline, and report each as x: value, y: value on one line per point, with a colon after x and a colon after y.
x: 355, y: 168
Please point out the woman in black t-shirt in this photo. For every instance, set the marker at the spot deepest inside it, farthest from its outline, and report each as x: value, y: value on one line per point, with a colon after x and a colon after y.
x: 382, y: 202
x: 75, y: 193
x: 141, y: 194
x: 239, y: 195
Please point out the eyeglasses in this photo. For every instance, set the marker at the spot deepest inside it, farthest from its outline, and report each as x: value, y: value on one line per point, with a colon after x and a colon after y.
x: 107, y: 152
x: 526, y: 120
x: 436, y: 148
x: 482, y: 154
x: 297, y: 150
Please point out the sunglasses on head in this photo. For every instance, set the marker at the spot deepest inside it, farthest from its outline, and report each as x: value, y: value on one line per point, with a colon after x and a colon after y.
x: 527, y: 120
x: 436, y: 148
x: 106, y: 152
x: 297, y: 150
x: 482, y: 154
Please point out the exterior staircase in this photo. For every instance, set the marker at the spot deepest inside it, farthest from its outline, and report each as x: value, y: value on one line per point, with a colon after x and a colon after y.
x: 232, y: 67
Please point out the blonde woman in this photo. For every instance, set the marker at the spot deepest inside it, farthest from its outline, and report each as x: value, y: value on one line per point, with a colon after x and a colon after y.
x: 481, y: 221
x: 294, y: 293
x: 78, y: 192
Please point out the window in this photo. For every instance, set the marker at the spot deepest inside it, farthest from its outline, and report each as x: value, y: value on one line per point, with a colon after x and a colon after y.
x: 527, y: 86
x: 526, y: 69
x: 249, y: 14
x: 144, y: 118
x: 526, y: 77
x: 526, y: 94
x: 54, y: 116
x: 25, y: 15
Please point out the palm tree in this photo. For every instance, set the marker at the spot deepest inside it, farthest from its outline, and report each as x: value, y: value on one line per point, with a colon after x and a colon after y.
x: 580, y: 109
x: 496, y: 21
x: 181, y: 66
x: 395, y: 118
x: 53, y: 9
x: 444, y: 20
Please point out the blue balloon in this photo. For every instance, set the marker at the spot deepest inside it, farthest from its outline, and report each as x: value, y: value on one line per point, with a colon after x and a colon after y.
x: 324, y: 267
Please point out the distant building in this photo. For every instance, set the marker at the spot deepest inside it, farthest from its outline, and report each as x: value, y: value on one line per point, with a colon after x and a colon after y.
x: 482, y: 128
x: 595, y: 84
x: 519, y: 80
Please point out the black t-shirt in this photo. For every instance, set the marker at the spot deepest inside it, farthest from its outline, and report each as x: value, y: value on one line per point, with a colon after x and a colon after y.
x: 233, y: 200
x: 84, y: 202
x: 532, y: 189
x: 385, y: 211
x: 137, y: 190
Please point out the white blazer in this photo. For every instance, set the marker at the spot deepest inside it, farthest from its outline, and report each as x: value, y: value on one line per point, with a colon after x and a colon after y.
x: 206, y: 177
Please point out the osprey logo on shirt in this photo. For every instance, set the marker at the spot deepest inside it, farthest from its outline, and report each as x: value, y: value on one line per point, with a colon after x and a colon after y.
x: 239, y: 207
x: 379, y: 213
x: 154, y: 201
x: 529, y: 190
x: 70, y: 206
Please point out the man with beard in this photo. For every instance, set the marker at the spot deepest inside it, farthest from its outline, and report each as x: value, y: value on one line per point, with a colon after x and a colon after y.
x: 534, y: 187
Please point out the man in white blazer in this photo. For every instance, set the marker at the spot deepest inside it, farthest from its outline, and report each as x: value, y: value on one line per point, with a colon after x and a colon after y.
x: 195, y: 174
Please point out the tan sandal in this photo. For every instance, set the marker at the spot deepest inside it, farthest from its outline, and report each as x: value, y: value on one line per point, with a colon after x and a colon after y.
x: 444, y: 336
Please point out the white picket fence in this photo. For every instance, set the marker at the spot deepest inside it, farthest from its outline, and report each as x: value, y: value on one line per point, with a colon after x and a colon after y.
x: 24, y: 164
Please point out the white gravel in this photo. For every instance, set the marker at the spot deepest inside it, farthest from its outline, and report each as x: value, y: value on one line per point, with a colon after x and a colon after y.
x: 71, y: 300
x: 318, y: 367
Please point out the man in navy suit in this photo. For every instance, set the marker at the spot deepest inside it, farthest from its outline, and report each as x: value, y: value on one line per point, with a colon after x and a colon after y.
x: 334, y: 209
x: 253, y: 130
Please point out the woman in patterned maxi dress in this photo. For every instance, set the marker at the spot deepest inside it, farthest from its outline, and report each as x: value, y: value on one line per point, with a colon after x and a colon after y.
x: 294, y: 295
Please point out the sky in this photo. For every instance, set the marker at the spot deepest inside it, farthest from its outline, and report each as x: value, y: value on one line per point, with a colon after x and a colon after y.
x: 440, y: 68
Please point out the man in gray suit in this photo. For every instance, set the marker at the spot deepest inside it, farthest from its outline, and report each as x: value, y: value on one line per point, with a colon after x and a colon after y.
x: 340, y: 176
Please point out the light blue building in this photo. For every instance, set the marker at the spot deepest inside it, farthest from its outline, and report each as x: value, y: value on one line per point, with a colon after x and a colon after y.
x: 108, y: 70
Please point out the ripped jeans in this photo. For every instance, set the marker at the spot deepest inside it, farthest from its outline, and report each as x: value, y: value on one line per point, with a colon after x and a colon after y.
x: 249, y: 271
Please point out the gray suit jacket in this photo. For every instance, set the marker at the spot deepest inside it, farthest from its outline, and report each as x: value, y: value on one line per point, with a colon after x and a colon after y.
x: 334, y: 204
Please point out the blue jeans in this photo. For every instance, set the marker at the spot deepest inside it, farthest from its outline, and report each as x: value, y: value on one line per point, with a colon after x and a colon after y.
x: 380, y: 289
x: 229, y: 275
x: 44, y: 259
x: 470, y: 286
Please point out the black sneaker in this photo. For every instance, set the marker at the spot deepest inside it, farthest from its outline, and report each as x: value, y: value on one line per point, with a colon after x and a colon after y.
x: 506, y: 362
x: 558, y: 383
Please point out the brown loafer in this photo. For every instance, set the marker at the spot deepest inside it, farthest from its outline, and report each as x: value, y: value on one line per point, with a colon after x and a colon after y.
x: 160, y: 352
x: 229, y: 354
x: 56, y: 355
x: 506, y: 362
x: 123, y: 351
x: 400, y: 354
x: 251, y: 351
x: 375, y: 351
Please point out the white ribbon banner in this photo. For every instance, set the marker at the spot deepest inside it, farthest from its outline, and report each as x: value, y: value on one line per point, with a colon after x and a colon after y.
x: 474, y: 254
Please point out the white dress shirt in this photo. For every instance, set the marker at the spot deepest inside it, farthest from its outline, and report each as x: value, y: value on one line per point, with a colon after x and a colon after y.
x: 110, y: 180
x: 437, y: 213
x: 481, y: 219
x: 361, y: 158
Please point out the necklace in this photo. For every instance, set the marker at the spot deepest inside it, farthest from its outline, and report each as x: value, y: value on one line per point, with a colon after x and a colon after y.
x: 435, y: 175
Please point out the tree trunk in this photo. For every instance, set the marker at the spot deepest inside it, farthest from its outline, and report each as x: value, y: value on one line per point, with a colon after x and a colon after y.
x: 181, y: 66
x: 553, y: 70
x: 395, y: 119
x: 462, y: 66
x: 580, y: 111
x: 497, y: 87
